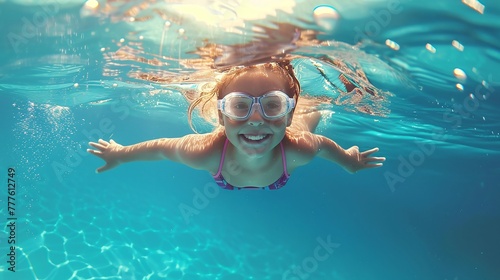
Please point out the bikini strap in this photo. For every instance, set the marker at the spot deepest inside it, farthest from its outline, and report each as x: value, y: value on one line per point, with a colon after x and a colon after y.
x: 223, y: 155
x: 283, y: 159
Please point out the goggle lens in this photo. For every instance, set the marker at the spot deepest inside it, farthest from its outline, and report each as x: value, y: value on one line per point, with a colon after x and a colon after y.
x: 273, y: 105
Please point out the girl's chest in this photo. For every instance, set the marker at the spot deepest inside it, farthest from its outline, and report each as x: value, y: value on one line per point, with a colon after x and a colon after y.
x: 238, y: 175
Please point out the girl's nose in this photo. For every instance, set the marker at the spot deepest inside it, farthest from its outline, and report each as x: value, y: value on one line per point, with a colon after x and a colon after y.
x: 256, y: 117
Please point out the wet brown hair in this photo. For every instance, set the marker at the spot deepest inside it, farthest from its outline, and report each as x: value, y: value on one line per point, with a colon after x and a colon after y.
x: 210, y: 92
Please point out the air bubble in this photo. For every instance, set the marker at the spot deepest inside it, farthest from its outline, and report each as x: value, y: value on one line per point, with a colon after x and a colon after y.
x: 391, y: 44
x: 326, y: 17
x: 91, y: 4
x: 430, y: 48
x: 457, y: 45
x: 459, y: 74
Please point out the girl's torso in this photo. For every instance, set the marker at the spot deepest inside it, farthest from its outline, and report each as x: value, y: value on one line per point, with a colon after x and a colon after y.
x: 232, y: 173
x: 236, y: 173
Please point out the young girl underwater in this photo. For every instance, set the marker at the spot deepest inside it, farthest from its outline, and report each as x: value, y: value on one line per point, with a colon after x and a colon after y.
x: 256, y: 146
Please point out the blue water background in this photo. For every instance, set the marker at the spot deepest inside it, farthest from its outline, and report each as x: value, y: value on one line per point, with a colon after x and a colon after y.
x: 440, y: 219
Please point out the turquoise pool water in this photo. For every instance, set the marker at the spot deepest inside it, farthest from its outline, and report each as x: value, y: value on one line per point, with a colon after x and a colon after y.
x: 73, y: 72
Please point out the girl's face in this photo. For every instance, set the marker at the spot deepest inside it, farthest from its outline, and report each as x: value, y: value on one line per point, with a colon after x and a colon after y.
x: 257, y: 135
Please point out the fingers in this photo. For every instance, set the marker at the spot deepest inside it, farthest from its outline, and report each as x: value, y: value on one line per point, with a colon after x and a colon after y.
x: 101, y: 145
x: 94, y: 152
x: 97, y: 146
x: 101, y: 169
x: 369, y: 152
x: 373, y: 162
x: 375, y: 159
x: 106, y: 167
x: 372, y: 165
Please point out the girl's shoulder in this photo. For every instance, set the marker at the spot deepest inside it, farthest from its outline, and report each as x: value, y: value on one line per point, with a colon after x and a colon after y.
x: 202, y: 151
x: 300, y: 147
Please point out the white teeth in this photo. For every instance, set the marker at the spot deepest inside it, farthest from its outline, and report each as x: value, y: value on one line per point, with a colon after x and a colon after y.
x: 255, y: 137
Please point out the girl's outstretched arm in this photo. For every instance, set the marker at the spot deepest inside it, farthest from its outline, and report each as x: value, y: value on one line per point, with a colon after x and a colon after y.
x: 191, y: 150
x: 351, y: 159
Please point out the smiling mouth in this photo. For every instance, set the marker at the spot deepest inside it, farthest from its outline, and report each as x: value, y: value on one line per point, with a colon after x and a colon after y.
x: 255, y: 138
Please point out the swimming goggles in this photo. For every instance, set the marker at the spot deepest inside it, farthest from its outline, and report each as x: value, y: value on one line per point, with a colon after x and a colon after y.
x: 240, y: 106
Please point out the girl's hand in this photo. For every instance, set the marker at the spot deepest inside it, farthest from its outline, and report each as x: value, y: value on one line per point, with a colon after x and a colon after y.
x: 359, y: 161
x: 110, y: 152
